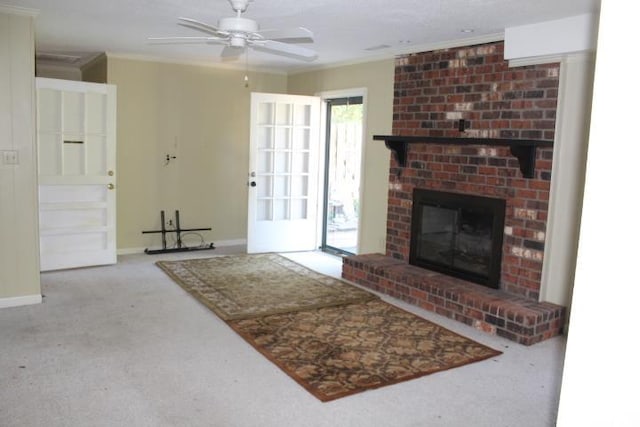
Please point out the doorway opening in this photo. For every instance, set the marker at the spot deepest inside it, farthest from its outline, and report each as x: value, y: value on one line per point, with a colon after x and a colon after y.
x: 341, y: 213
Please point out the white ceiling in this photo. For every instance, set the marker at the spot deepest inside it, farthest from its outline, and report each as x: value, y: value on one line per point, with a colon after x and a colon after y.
x: 344, y: 29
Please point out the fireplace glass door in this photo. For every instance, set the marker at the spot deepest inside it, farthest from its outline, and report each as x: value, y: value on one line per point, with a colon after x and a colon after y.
x: 458, y: 234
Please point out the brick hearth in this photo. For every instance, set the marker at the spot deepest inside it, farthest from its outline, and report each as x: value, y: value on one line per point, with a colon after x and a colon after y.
x: 433, y: 92
x: 518, y: 319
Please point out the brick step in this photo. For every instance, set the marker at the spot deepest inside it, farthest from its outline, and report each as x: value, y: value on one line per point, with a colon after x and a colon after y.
x: 516, y: 318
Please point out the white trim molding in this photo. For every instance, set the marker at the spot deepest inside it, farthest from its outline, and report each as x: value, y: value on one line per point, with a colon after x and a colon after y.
x: 567, y: 178
x: 20, y: 301
x: 17, y: 10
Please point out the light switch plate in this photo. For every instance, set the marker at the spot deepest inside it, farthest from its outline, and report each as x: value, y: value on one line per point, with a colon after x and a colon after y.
x: 10, y: 157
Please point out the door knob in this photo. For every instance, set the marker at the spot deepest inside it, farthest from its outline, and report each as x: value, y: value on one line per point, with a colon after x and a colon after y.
x: 252, y: 183
x: 111, y: 186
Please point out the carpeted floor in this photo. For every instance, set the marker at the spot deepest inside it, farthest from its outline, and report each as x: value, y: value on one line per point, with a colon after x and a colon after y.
x: 331, y: 337
x: 123, y: 345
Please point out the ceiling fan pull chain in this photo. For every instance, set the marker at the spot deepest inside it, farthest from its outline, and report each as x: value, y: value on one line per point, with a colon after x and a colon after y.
x: 246, y: 68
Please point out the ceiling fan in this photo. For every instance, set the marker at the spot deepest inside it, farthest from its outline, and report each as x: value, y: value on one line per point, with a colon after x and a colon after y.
x: 238, y: 34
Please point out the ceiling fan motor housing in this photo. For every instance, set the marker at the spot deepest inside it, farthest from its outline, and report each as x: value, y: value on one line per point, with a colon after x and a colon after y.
x: 238, y: 25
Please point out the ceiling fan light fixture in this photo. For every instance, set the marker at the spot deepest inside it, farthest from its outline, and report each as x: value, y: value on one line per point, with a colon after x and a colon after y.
x: 237, y: 41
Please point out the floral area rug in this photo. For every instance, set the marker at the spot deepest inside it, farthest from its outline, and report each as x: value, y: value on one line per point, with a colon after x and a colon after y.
x: 243, y: 286
x: 338, y: 351
x: 333, y: 338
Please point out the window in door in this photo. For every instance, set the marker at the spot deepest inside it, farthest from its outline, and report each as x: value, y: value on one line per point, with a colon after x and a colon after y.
x: 342, y: 174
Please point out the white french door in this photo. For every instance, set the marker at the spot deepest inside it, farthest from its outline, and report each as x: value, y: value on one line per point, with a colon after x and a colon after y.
x: 283, y: 173
x: 76, y: 173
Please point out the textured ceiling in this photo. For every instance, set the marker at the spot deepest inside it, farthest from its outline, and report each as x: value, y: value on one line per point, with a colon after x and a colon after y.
x: 345, y: 30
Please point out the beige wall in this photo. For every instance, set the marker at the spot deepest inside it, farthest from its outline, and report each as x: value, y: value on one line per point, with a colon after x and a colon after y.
x: 19, y: 259
x: 201, y: 116
x: 96, y: 70
x: 377, y: 77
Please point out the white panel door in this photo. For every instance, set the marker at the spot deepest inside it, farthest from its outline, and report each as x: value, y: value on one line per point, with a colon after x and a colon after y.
x: 283, y: 173
x: 76, y: 173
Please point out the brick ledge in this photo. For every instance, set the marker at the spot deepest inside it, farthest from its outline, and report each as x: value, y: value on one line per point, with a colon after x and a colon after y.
x: 496, y: 312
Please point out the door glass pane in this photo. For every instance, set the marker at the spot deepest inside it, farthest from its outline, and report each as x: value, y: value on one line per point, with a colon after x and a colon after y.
x: 299, y: 209
x: 265, y: 137
x: 265, y: 113
x: 302, y: 115
x: 301, y: 138
x: 342, y: 199
x: 265, y: 161
x: 281, y: 210
x: 282, y: 186
x: 264, y: 186
x: 264, y: 210
x: 283, y: 164
x: 299, y: 186
x: 300, y: 162
x: 283, y: 114
x: 283, y: 138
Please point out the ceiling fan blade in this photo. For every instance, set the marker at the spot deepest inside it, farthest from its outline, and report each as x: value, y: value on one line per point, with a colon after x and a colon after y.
x: 231, y: 52
x: 201, y: 39
x: 201, y: 26
x: 300, y: 34
x: 285, y: 49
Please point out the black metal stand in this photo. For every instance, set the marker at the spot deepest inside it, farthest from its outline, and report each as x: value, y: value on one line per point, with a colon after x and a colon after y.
x: 178, y: 231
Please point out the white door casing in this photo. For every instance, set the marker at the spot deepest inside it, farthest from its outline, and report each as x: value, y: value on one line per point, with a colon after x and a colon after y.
x: 283, y: 173
x: 76, y: 173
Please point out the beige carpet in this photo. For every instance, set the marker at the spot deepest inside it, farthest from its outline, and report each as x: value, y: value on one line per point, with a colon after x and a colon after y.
x: 331, y: 337
x: 243, y: 286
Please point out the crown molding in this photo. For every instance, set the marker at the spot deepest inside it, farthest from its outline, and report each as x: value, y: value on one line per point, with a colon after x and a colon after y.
x: 216, y: 65
x: 16, y: 10
x: 548, y: 59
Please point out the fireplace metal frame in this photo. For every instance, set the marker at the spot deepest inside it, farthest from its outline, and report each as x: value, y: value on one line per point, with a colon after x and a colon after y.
x: 424, y: 197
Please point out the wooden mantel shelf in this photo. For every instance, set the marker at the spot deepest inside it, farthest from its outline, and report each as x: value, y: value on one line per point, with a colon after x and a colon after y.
x: 523, y: 149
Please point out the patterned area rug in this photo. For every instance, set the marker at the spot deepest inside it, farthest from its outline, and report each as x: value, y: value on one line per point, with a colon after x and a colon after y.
x: 331, y: 337
x: 244, y: 286
x: 338, y: 351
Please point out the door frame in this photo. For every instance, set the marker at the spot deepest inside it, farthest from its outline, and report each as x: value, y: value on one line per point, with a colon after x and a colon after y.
x: 324, y: 96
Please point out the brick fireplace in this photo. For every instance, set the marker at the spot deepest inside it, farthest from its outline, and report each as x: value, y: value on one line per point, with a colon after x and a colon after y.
x: 470, y: 107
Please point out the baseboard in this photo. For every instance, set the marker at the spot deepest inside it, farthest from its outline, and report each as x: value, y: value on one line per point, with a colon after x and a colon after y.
x: 130, y: 251
x: 19, y: 301
x: 236, y: 242
x: 217, y: 244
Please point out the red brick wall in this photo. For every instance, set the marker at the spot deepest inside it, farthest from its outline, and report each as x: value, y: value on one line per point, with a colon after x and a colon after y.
x: 433, y: 91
